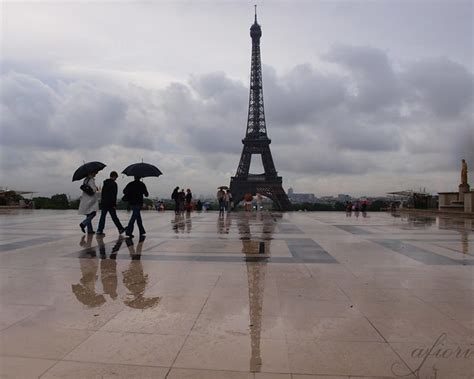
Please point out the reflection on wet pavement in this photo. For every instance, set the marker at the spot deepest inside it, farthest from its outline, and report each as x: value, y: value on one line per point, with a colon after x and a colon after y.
x: 240, y: 295
x: 134, y: 278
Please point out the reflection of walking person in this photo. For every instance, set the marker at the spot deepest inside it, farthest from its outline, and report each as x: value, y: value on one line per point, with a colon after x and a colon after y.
x: 85, y: 289
x: 89, y: 204
x: 108, y: 204
x: 136, y: 280
x: 134, y: 192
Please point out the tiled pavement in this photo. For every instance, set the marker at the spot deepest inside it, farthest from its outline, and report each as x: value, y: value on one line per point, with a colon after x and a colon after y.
x: 267, y: 295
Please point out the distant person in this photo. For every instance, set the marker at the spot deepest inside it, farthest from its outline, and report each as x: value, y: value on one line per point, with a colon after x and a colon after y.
x: 349, y: 207
x: 229, y: 200
x: 248, y: 202
x: 108, y: 203
x: 221, y: 200
x: 174, y: 196
x: 134, y: 192
x: 199, y: 205
x: 188, y: 198
x: 181, y: 201
x: 89, y: 204
x: 259, y: 201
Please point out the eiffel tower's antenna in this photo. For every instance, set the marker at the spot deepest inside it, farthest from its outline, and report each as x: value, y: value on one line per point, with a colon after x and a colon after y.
x: 255, y: 13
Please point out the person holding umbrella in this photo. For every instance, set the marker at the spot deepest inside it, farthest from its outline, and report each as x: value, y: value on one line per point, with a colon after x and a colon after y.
x: 134, y: 192
x: 89, y: 203
x: 221, y: 199
x: 174, y: 196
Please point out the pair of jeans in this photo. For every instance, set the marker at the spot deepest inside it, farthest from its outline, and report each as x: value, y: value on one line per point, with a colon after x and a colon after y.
x: 88, y: 222
x: 115, y: 219
x: 176, y: 206
x: 221, y: 205
x: 136, y: 216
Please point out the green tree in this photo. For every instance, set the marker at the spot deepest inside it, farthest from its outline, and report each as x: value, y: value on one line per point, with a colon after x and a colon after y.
x: 59, y: 201
x: 42, y: 202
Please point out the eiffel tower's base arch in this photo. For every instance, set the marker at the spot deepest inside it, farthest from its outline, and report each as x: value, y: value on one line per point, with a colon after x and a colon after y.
x: 265, y: 186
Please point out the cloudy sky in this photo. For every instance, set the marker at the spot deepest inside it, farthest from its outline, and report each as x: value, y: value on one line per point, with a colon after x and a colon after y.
x: 361, y: 97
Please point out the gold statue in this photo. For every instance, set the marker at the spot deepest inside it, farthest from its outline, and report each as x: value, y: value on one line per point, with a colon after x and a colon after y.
x: 463, y: 172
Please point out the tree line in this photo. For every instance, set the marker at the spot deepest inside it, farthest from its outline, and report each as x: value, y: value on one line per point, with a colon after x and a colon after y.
x: 61, y: 201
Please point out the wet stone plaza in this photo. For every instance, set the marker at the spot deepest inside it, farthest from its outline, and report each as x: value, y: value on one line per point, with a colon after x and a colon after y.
x: 244, y: 295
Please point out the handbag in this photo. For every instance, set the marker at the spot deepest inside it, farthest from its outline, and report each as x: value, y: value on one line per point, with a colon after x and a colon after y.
x: 87, y: 189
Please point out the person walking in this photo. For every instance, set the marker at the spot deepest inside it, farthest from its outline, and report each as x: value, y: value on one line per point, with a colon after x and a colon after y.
x: 108, y: 204
x: 221, y: 199
x: 181, y: 201
x: 134, y: 192
x: 89, y: 204
x: 174, y: 196
x: 230, y: 202
x: 226, y: 200
x: 248, y: 202
x: 188, y: 198
x: 259, y: 201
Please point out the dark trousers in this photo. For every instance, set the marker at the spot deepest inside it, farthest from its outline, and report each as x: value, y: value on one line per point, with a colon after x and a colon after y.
x: 176, y: 206
x: 221, y: 205
x: 115, y: 219
x: 88, y: 222
x: 136, y: 216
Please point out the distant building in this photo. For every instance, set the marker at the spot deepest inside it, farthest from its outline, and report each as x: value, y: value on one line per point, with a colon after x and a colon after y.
x: 297, y: 198
x: 413, y: 199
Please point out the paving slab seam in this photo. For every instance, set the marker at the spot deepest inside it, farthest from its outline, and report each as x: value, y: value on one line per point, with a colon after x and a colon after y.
x: 192, y: 327
x: 99, y: 363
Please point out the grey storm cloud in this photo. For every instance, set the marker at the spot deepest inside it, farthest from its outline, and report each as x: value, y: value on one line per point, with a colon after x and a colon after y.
x: 445, y: 87
x: 376, y: 85
x: 364, y: 116
x: 34, y: 114
x: 301, y: 95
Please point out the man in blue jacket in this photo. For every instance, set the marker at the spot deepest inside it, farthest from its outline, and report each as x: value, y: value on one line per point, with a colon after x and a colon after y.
x: 108, y: 203
x: 134, y: 192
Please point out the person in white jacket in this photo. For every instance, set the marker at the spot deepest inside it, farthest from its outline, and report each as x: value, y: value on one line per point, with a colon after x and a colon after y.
x: 89, y: 204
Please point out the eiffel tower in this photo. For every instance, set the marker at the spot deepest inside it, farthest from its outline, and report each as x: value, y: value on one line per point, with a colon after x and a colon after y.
x: 256, y: 141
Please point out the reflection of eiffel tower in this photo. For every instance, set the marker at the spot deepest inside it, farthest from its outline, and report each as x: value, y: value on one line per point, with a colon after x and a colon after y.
x: 256, y: 269
x: 256, y: 141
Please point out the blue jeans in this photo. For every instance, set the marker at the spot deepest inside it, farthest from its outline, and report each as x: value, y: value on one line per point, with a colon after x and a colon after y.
x: 88, y: 222
x: 136, y: 216
x: 115, y: 219
x: 221, y: 205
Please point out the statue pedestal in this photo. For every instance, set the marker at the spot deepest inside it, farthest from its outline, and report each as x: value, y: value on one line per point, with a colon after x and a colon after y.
x: 463, y: 188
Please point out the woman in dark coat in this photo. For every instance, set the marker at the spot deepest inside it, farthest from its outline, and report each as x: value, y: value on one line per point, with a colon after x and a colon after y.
x: 181, y: 200
x: 188, y: 198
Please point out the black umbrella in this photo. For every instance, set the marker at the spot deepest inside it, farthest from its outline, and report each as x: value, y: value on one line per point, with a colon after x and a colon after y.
x: 142, y: 170
x: 86, y: 169
x: 223, y: 187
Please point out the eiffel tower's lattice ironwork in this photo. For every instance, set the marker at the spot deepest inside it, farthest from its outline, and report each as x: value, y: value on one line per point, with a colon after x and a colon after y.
x: 256, y: 141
